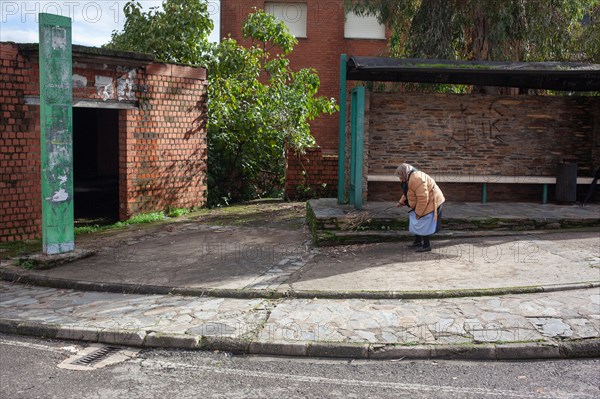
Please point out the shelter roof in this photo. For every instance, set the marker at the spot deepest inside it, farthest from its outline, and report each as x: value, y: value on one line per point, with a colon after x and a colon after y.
x: 567, y: 76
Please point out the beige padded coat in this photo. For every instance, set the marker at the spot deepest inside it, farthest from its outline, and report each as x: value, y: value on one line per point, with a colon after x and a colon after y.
x: 424, y: 195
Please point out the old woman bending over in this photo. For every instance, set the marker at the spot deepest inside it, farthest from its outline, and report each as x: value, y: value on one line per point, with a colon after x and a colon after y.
x: 422, y: 195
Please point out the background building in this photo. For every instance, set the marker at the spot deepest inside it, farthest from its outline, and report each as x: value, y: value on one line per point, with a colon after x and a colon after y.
x: 324, y: 32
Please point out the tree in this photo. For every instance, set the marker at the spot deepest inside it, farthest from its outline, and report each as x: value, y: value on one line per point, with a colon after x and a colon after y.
x: 507, y: 30
x: 177, y: 33
x: 258, y: 107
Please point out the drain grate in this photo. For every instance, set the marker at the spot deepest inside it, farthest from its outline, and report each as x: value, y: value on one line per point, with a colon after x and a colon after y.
x: 96, y: 356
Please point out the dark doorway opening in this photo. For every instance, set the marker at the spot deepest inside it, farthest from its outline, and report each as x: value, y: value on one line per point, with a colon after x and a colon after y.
x: 96, y: 165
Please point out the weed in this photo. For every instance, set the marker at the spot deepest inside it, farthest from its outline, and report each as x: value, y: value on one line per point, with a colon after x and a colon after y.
x: 142, y: 218
x: 177, y: 212
x: 19, y: 248
x: 89, y: 229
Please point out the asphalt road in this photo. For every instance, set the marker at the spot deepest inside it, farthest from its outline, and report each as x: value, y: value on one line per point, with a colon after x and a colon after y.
x: 29, y: 369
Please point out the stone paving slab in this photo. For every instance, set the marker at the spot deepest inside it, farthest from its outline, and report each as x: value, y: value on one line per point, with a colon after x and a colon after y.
x: 339, y: 328
x: 511, y: 318
x: 194, y: 255
x: 172, y: 263
x: 476, y: 263
x: 328, y: 208
x: 232, y: 318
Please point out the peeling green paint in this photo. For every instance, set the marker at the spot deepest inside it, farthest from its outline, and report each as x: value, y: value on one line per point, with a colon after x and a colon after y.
x: 56, y: 134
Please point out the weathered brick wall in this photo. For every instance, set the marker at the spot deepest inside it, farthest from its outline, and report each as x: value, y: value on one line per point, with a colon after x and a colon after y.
x: 20, y: 185
x: 164, y: 164
x: 162, y: 144
x: 478, y: 134
x: 311, y: 174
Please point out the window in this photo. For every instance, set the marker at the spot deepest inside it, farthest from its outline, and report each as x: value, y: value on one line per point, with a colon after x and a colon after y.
x: 363, y: 27
x: 292, y: 14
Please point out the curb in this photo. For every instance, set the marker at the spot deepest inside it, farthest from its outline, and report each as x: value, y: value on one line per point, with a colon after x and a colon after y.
x: 151, y: 339
x: 24, y: 277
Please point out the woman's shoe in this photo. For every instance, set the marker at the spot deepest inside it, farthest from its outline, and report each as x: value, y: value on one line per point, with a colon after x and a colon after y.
x: 424, y: 249
x: 415, y: 245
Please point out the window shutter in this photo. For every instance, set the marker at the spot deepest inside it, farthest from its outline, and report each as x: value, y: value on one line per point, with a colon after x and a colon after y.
x: 292, y: 14
x: 363, y: 27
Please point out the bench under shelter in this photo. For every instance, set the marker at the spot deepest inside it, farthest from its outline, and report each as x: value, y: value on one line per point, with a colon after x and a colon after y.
x: 468, y: 140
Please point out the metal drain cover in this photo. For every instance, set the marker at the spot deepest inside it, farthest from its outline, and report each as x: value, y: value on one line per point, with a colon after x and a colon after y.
x: 96, y: 357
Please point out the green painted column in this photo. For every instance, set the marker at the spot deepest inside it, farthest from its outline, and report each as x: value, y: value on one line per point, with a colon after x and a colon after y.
x: 484, y: 193
x: 342, y: 133
x: 357, y: 143
x: 56, y: 134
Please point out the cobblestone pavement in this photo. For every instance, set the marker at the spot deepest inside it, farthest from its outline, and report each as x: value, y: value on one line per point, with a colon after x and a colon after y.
x: 546, y: 278
x: 512, y: 318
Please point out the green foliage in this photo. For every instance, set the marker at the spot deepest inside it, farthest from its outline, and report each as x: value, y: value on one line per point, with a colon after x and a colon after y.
x: 142, y: 218
x: 88, y: 229
x: 19, y: 248
x: 257, y: 105
x: 177, y: 33
x: 258, y: 108
x: 507, y: 30
x: 177, y: 212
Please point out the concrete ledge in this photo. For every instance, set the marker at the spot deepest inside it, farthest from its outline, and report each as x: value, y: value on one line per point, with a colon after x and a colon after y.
x: 179, y: 341
x: 122, y: 337
x: 342, y: 350
x: 390, y: 352
x: 77, y: 333
x: 279, y: 348
x: 26, y: 277
x: 505, y: 351
x: 533, y: 350
x: 38, y: 329
x: 9, y: 326
x: 43, y: 262
x: 225, y: 344
x: 464, y: 352
x: 581, y: 348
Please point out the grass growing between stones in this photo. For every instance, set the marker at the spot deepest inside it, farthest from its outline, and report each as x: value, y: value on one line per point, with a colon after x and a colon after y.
x: 19, y: 248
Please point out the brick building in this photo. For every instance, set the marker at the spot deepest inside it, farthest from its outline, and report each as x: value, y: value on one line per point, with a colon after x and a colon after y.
x: 324, y: 32
x: 139, y: 143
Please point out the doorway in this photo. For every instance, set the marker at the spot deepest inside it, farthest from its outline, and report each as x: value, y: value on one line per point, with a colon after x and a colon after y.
x: 96, y: 165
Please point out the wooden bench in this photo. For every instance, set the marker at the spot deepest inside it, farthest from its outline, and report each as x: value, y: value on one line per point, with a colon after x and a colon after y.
x: 485, y: 180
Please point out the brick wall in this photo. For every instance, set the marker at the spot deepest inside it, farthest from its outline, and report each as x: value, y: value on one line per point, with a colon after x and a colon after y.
x: 478, y: 134
x: 164, y: 162
x: 312, y: 174
x: 321, y: 50
x: 162, y: 143
x: 20, y: 185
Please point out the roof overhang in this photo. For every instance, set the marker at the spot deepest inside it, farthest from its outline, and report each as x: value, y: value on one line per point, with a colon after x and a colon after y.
x: 95, y: 55
x: 565, y: 76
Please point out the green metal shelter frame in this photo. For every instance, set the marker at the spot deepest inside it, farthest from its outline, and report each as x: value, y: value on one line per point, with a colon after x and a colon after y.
x: 565, y: 76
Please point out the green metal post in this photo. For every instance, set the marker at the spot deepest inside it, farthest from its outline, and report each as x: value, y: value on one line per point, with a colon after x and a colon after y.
x: 484, y: 194
x: 56, y: 134
x: 358, y: 138
x: 545, y: 195
x: 342, y: 132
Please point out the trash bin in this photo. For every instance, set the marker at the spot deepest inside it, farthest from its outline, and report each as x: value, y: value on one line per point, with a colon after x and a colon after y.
x: 566, y: 182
